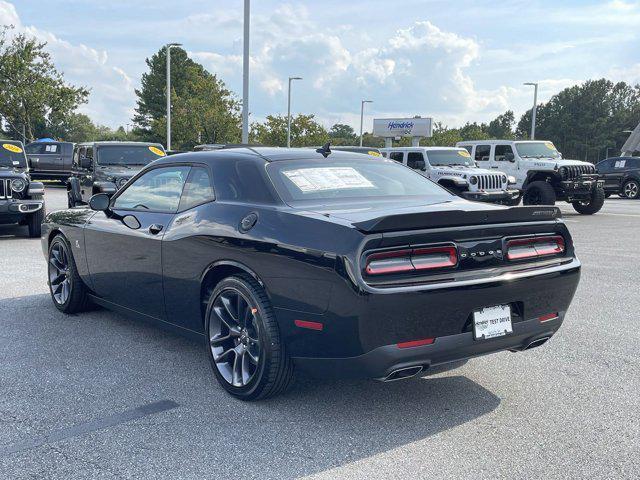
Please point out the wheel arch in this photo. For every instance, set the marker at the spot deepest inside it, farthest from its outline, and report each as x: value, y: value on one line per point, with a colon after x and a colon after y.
x: 539, y: 176
x: 218, y: 271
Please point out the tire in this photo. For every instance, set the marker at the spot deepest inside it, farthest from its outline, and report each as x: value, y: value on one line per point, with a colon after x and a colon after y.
x: 593, y: 205
x: 34, y: 220
x: 72, y: 298
x: 514, y: 202
x: 539, y: 193
x: 631, y: 190
x: 240, y: 317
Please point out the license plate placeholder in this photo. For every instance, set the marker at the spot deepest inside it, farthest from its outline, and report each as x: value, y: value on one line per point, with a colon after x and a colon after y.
x: 492, y: 322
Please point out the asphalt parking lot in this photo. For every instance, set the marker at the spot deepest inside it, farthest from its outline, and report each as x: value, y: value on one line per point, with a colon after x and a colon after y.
x: 98, y: 396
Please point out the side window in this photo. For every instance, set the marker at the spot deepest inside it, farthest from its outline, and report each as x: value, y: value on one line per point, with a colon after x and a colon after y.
x: 415, y: 160
x: 397, y: 156
x: 620, y: 164
x: 482, y: 153
x: 468, y: 148
x: 633, y: 162
x: 157, y: 190
x: 503, y: 153
x: 52, y: 148
x: 197, y: 190
x: 89, y: 153
x: 34, y: 148
x: 604, y: 166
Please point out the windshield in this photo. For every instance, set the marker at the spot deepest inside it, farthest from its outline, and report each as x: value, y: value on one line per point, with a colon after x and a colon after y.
x: 12, y: 155
x: 537, y: 150
x: 128, y: 154
x: 311, y: 181
x: 450, y: 157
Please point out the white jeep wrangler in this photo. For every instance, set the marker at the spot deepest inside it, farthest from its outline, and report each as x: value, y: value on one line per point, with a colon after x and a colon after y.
x: 454, y: 169
x: 541, y: 173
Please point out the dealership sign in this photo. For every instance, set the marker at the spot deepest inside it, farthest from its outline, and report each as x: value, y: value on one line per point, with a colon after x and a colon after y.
x: 402, y: 127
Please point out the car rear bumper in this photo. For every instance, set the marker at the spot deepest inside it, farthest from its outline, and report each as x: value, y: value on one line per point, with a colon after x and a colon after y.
x: 503, y: 195
x: 382, y: 362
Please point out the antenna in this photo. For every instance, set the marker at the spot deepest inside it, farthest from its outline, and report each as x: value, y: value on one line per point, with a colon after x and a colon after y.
x: 325, y: 150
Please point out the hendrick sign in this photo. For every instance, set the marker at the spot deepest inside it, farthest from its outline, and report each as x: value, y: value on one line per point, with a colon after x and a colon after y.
x: 402, y: 127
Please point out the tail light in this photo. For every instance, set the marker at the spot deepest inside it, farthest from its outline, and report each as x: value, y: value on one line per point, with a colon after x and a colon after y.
x: 534, y: 247
x: 409, y: 260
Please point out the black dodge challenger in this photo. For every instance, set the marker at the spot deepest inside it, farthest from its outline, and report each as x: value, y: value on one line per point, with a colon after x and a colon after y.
x: 335, y: 263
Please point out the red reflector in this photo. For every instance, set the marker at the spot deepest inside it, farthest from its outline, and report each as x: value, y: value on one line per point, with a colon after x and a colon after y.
x: 416, y: 343
x: 307, y: 324
x: 520, y: 248
x: 547, y: 317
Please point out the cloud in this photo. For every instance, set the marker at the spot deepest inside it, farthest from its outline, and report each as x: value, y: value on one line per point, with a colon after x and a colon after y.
x: 112, y: 96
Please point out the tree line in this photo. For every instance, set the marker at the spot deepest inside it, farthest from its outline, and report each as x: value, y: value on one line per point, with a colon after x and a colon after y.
x: 586, y: 121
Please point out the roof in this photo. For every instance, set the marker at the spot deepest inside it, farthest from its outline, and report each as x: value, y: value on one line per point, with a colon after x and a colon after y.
x: 420, y: 148
x: 107, y: 143
x: 633, y: 142
x: 491, y: 142
x: 267, y: 154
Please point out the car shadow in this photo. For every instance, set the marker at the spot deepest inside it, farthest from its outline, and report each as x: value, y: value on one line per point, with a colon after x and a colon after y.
x: 86, y: 366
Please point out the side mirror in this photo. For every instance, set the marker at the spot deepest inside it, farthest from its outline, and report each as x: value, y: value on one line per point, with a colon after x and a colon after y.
x: 510, y: 157
x: 86, y: 163
x: 418, y: 165
x: 100, y: 202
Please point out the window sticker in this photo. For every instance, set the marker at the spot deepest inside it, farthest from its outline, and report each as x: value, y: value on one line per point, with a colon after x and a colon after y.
x: 373, y: 153
x: 51, y: 148
x: 327, y: 178
x: 464, y: 153
x: 620, y: 163
x: 550, y: 145
x: 157, y: 151
x: 12, y: 148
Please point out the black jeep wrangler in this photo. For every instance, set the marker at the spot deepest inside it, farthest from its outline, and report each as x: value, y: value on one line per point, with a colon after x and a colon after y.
x: 104, y: 167
x: 21, y: 200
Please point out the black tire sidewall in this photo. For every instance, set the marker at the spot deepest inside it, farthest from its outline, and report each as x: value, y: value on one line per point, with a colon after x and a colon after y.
x: 260, y: 379
x: 594, y: 206
x: 546, y: 191
x: 34, y: 220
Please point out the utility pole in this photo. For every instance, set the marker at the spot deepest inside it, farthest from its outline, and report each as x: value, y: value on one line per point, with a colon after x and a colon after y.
x: 533, y: 112
x: 289, y: 111
x: 245, y: 74
x: 362, y: 116
x: 169, y: 47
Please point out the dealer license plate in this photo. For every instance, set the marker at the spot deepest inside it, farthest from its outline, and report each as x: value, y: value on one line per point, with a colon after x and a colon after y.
x: 491, y: 322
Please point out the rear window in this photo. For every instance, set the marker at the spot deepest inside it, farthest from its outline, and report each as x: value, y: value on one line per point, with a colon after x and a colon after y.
x: 129, y: 154
x: 300, y: 181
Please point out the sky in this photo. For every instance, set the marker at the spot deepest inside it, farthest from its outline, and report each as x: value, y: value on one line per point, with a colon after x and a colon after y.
x: 454, y: 61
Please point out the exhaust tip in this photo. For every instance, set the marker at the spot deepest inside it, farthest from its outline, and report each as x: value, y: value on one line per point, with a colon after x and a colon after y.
x: 403, y: 373
x: 536, y: 343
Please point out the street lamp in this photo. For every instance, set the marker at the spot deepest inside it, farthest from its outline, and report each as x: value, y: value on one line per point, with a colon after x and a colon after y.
x: 289, y: 111
x: 245, y: 73
x: 362, y: 116
x: 533, y: 112
x: 169, y: 47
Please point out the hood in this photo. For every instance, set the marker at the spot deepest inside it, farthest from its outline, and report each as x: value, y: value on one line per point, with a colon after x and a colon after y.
x: 14, y: 172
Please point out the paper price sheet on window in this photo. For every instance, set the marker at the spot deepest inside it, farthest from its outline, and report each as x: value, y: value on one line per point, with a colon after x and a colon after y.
x: 327, y: 178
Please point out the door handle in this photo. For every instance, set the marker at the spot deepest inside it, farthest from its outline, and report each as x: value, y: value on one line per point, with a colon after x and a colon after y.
x: 155, y: 228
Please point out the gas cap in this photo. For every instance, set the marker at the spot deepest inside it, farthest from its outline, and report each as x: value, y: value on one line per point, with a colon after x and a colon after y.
x: 248, y: 222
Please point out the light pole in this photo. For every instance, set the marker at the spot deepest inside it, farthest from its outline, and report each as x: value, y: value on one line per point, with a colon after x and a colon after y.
x: 362, y: 116
x: 289, y: 111
x: 245, y: 74
x: 169, y: 47
x: 533, y: 112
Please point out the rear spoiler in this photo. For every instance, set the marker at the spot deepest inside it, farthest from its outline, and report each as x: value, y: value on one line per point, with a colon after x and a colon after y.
x: 457, y: 218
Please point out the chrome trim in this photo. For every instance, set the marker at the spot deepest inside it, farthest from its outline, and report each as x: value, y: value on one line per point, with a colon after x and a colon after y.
x: 505, y: 277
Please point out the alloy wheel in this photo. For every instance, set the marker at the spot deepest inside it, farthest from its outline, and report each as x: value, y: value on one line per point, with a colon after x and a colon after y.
x: 234, y: 337
x: 631, y: 190
x: 59, y: 274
